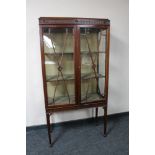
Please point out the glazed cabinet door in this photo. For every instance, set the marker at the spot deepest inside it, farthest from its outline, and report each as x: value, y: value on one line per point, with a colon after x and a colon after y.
x: 93, y: 54
x: 58, y: 50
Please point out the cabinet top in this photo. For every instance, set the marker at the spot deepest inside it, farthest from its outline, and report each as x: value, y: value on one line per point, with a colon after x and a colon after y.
x: 74, y: 21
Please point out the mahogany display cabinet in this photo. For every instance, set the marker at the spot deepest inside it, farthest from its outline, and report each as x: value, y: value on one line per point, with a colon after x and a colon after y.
x: 75, y: 64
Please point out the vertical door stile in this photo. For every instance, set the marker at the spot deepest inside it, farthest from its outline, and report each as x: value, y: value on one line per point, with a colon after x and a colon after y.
x: 43, y: 67
x: 77, y: 64
x: 74, y: 35
x: 107, y: 63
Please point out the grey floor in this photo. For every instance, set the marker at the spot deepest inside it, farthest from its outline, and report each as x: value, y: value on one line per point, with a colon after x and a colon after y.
x: 82, y: 138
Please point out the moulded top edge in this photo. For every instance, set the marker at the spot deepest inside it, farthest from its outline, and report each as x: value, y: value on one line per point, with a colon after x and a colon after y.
x: 71, y: 20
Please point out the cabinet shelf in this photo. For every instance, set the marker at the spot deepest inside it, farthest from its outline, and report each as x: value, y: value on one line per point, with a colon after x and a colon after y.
x: 82, y: 52
x: 53, y: 78
x: 64, y: 99
x: 90, y: 76
x: 58, y: 53
x: 92, y: 52
x: 84, y: 76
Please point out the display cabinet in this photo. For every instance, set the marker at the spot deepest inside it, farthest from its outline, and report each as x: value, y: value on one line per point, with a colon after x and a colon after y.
x: 75, y: 64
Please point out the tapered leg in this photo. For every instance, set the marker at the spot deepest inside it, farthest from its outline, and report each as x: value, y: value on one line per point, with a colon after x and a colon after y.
x: 96, y: 115
x: 49, y: 127
x: 105, y: 121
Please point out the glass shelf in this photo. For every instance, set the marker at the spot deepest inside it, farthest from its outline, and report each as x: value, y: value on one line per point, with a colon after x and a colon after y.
x: 64, y: 99
x: 87, y: 76
x: 82, y: 52
x: 84, y: 76
x: 54, y: 77
x: 92, y: 52
x: 58, y: 53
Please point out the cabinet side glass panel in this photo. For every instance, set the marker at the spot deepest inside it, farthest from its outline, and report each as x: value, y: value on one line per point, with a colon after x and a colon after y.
x: 93, y: 50
x: 59, y: 65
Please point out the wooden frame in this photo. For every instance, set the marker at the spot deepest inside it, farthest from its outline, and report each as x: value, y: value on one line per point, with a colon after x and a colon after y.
x: 76, y: 24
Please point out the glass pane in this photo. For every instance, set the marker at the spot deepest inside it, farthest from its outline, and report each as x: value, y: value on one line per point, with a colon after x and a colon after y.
x: 92, y: 41
x: 59, y: 65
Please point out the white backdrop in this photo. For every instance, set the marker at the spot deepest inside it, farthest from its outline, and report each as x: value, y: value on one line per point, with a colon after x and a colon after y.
x: 117, y: 12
